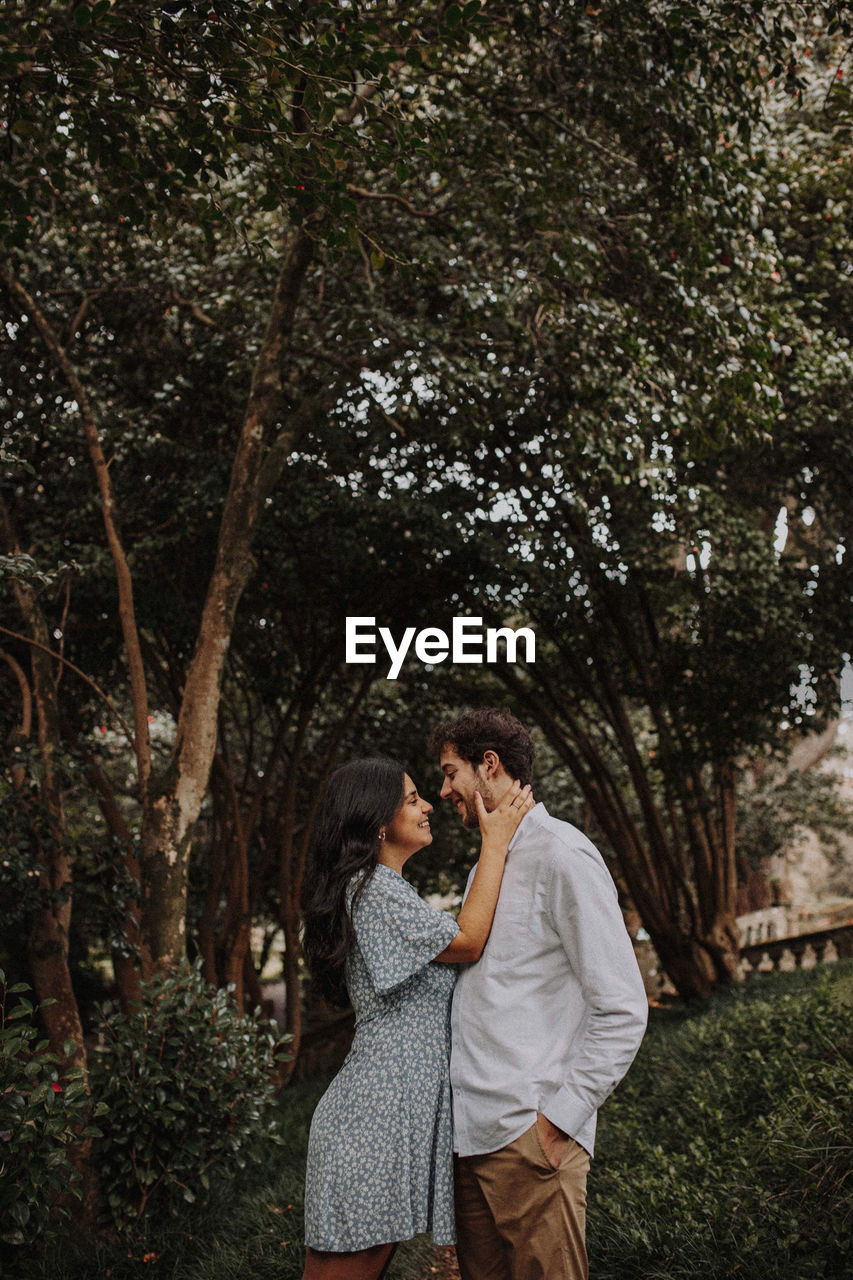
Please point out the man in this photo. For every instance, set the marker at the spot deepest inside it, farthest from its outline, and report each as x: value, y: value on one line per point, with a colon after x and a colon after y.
x: 545, y: 1025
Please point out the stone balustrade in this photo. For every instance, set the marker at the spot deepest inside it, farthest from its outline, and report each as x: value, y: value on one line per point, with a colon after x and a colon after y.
x: 800, y: 951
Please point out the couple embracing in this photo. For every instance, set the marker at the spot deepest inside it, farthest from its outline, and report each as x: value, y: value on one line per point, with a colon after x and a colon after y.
x: 530, y: 1007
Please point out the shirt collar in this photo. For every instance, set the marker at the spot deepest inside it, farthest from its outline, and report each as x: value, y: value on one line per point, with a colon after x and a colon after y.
x: 534, y: 818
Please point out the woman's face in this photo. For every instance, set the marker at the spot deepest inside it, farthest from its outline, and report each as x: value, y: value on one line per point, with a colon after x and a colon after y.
x: 409, y: 830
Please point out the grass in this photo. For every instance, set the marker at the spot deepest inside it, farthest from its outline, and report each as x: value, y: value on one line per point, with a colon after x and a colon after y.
x: 727, y: 1152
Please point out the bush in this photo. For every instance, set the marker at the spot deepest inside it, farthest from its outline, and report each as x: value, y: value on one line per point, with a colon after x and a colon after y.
x: 727, y: 1150
x: 725, y: 1154
x: 42, y: 1115
x: 190, y: 1090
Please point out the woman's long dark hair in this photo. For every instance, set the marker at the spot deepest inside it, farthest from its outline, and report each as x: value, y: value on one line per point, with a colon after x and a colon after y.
x: 360, y: 797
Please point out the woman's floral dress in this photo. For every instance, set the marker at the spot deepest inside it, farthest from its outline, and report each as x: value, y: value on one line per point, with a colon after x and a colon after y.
x: 380, y: 1150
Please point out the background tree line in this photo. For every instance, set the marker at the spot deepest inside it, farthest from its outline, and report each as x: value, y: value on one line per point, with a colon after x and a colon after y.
x: 537, y: 312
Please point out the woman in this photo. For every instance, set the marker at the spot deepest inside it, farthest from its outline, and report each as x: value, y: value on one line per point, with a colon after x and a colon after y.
x: 379, y: 1155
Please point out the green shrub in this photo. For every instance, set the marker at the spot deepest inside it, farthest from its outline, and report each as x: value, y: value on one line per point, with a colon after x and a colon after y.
x: 190, y: 1089
x: 42, y: 1115
x: 727, y: 1149
x: 724, y: 1154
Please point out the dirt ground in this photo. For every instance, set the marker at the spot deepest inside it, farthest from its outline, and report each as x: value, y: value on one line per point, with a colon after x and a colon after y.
x: 442, y: 1265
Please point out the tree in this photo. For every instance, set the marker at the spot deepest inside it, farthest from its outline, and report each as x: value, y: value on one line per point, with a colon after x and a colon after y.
x: 482, y: 269
x: 185, y: 100
x: 619, y: 419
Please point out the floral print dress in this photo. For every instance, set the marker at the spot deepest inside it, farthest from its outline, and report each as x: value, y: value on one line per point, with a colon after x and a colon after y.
x: 380, y: 1149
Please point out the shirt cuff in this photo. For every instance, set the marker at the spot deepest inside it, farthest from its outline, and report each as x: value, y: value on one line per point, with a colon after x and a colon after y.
x: 569, y: 1112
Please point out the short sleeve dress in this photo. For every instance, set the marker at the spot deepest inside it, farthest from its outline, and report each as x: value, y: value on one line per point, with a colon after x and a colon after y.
x: 380, y: 1148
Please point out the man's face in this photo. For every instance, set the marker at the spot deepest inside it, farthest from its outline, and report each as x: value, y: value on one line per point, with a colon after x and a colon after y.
x: 461, y: 779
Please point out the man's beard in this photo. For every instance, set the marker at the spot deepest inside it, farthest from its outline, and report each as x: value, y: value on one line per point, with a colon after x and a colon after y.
x: 470, y: 819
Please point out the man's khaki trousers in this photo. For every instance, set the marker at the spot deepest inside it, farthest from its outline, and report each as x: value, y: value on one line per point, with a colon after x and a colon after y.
x: 519, y: 1218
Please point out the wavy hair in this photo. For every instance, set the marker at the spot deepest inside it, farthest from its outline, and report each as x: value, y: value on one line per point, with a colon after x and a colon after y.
x: 360, y: 797
x: 484, y: 729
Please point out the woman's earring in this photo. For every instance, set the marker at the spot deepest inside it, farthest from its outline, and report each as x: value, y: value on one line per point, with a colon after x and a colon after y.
x: 381, y: 835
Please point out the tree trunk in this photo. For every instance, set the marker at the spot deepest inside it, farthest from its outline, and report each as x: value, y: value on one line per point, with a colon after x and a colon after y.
x: 173, y: 806
x: 687, y: 964
x: 166, y: 834
x: 47, y: 947
x: 254, y: 992
x: 236, y: 932
x: 678, y: 869
x: 47, y: 944
x: 292, y: 994
x: 216, y: 868
x: 125, y: 966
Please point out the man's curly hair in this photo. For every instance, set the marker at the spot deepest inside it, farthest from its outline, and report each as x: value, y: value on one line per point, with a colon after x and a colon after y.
x: 484, y: 729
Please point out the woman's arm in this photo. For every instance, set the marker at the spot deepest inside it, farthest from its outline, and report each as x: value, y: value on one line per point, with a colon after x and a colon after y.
x: 497, y: 829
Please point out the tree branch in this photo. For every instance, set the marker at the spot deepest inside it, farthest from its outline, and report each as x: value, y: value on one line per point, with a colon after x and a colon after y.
x: 26, y: 694
x: 139, y: 692
x: 392, y: 197
x: 16, y: 635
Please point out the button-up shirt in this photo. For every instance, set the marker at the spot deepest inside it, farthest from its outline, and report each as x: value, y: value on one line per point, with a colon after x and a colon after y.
x: 551, y: 1016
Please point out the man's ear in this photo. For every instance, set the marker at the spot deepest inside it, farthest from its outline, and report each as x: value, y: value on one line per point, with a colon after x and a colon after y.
x: 491, y: 763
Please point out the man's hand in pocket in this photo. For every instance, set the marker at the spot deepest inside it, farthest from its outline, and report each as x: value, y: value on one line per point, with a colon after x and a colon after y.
x: 554, y: 1141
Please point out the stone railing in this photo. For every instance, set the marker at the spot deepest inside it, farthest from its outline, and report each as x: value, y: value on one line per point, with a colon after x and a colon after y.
x: 800, y: 951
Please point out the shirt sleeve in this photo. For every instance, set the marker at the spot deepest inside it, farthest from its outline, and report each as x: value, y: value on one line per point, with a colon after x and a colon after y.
x: 397, y: 932
x: 585, y: 912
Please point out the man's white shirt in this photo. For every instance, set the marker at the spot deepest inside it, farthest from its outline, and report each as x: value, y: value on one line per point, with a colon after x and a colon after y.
x: 551, y: 1016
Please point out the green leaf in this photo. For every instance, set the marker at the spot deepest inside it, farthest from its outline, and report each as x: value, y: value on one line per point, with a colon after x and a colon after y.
x: 19, y: 1212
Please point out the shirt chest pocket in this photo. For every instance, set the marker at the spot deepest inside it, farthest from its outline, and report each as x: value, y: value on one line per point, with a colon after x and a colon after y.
x: 512, y: 931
